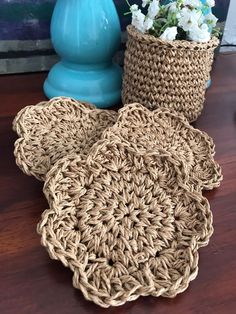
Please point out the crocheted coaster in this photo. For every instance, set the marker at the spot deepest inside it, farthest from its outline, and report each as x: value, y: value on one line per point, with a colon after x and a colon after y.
x: 126, y: 223
x: 144, y: 130
x: 51, y: 130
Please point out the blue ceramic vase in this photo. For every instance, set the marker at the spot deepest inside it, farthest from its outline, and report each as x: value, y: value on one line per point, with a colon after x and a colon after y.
x: 86, y: 35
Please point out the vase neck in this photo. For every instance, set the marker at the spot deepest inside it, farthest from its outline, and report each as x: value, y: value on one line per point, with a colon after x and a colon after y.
x: 86, y: 67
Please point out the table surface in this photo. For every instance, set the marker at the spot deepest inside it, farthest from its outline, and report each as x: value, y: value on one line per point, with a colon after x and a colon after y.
x: 31, y: 283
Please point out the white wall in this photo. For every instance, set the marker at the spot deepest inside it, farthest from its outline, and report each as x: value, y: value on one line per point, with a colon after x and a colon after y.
x: 230, y: 26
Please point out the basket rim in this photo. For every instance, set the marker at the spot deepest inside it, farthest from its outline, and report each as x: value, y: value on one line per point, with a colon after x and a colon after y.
x: 175, y: 44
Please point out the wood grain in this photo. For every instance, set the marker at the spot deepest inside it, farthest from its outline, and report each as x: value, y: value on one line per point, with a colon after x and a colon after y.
x: 31, y: 283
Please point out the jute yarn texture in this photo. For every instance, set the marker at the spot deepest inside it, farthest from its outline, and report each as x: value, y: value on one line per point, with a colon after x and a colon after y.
x: 162, y: 128
x: 169, y: 74
x: 127, y: 223
x: 51, y: 130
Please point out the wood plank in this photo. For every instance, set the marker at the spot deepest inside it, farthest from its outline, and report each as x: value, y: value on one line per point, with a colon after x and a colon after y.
x: 31, y: 283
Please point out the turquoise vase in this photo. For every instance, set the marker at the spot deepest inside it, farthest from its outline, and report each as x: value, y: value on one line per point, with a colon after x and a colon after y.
x: 85, y: 34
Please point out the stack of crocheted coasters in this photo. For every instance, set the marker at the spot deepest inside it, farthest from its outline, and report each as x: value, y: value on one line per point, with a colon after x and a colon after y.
x: 127, y: 216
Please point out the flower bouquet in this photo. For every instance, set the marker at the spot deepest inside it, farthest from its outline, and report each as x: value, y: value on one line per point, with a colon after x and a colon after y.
x: 169, y: 55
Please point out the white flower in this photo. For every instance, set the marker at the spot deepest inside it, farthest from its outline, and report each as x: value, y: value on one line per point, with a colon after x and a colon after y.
x: 145, y: 3
x: 172, y: 7
x: 169, y: 34
x: 189, y: 19
x: 153, y: 9
x: 138, y: 19
x: 210, y: 3
x: 200, y: 34
x: 210, y: 19
x: 192, y: 3
x: 133, y: 8
x: 148, y: 23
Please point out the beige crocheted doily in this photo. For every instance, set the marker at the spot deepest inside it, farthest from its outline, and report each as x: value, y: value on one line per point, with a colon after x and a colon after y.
x: 147, y: 130
x: 126, y: 222
x: 54, y: 129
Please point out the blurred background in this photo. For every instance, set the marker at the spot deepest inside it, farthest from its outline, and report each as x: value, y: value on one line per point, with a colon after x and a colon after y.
x: 25, y: 44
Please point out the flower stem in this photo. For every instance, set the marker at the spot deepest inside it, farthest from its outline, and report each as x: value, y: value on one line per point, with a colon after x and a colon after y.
x: 127, y: 1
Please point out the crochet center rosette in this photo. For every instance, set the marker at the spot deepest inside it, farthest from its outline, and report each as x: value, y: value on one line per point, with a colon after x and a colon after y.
x: 143, y: 130
x: 51, y: 130
x: 127, y: 223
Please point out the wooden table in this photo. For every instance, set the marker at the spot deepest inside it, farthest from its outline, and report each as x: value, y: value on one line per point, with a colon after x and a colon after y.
x: 31, y: 283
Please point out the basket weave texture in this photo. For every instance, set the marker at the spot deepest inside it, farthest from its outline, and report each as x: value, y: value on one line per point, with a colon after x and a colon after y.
x: 51, y: 130
x: 169, y: 74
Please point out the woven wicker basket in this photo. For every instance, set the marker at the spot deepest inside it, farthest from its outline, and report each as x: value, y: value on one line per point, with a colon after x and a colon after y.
x: 170, y: 74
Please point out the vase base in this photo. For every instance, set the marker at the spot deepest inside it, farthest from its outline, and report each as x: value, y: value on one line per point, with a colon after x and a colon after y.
x: 208, y: 84
x: 99, y: 86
